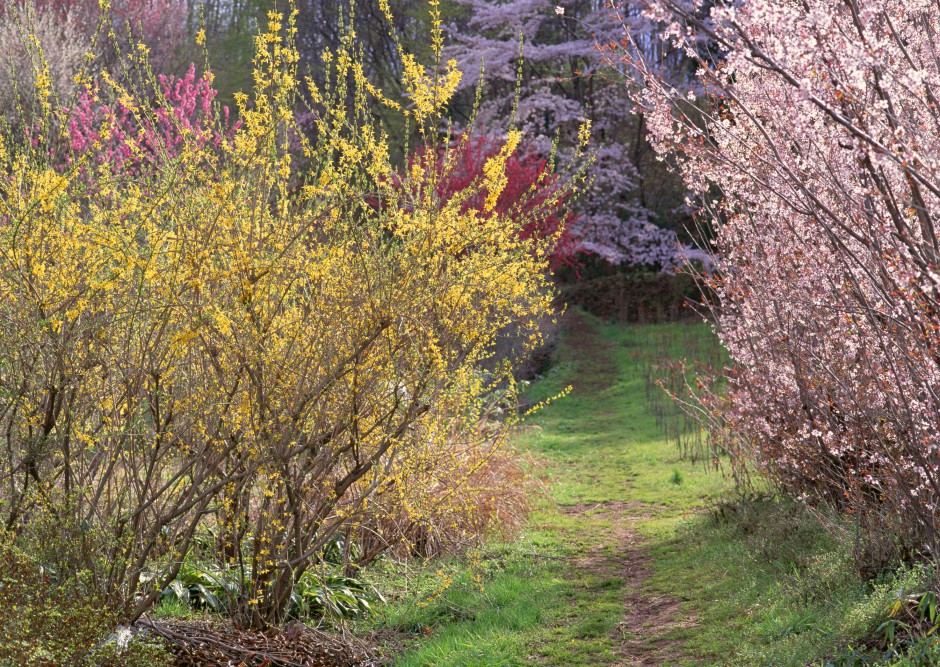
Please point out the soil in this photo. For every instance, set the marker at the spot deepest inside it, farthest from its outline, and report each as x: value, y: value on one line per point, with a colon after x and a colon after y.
x: 206, y: 644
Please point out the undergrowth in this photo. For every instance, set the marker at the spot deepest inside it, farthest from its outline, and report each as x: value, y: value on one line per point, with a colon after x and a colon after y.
x: 771, y: 583
x: 761, y: 580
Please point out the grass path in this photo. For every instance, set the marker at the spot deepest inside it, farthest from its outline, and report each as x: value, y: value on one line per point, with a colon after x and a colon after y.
x: 619, y: 555
x: 575, y: 590
x: 621, y: 564
x: 617, y: 489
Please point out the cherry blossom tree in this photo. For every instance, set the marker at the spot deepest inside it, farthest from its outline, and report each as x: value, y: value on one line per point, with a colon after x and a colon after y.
x: 814, y: 145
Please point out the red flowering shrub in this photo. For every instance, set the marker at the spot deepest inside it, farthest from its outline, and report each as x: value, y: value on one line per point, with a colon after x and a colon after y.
x: 532, y: 190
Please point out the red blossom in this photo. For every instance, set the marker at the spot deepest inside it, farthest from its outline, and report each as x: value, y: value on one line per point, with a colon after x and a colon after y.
x: 532, y: 192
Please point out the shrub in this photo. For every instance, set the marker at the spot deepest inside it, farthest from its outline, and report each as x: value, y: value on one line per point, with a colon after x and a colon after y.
x: 810, y: 138
x: 37, y: 604
x: 208, y: 341
x: 532, y: 189
x: 182, y: 111
x: 332, y: 596
x: 472, y: 489
x: 636, y: 296
x: 64, y: 44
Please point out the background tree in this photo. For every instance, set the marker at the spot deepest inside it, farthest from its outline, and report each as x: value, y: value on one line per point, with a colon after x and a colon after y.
x: 563, y: 83
x: 67, y: 30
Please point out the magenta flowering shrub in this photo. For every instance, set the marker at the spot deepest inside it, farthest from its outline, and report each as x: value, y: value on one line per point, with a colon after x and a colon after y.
x: 814, y: 142
x: 108, y: 131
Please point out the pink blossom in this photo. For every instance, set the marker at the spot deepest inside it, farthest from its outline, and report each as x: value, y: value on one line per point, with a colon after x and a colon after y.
x: 814, y: 145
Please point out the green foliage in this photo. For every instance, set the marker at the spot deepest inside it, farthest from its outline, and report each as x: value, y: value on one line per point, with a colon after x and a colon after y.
x: 46, y: 620
x: 910, y: 635
x: 140, y: 651
x: 318, y: 593
x: 172, y: 608
x: 335, y: 550
x: 762, y: 581
x: 208, y: 588
x: 326, y: 595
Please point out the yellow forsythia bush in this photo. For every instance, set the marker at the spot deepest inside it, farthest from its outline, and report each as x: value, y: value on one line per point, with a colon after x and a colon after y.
x: 209, y: 341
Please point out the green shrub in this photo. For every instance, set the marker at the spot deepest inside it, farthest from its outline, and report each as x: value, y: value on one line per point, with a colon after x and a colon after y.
x: 638, y: 296
x: 45, y: 620
x: 206, y: 588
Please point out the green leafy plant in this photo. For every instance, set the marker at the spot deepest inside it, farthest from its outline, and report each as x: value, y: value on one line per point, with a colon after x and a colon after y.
x: 207, y: 588
x: 316, y: 594
x: 912, y: 621
x: 336, y: 551
x: 331, y: 596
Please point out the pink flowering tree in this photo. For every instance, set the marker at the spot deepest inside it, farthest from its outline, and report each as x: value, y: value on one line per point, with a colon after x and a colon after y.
x: 813, y: 144
x: 563, y: 82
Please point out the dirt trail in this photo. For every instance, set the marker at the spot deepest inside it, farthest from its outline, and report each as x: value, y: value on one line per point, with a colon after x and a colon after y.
x: 620, y: 551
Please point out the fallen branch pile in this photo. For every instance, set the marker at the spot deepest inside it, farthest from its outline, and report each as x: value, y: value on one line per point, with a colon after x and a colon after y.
x: 203, y: 645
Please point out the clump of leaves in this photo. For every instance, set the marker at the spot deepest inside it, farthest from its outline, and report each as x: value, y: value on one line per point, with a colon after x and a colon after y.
x: 331, y: 596
x: 912, y: 622
x: 907, y: 635
x: 318, y: 593
x: 207, y: 588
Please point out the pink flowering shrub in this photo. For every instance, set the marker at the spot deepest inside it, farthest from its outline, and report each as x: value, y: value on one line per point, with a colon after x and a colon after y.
x: 109, y: 132
x: 815, y: 144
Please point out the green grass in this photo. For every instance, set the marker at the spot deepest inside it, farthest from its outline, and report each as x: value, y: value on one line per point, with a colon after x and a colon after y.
x: 760, y: 582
